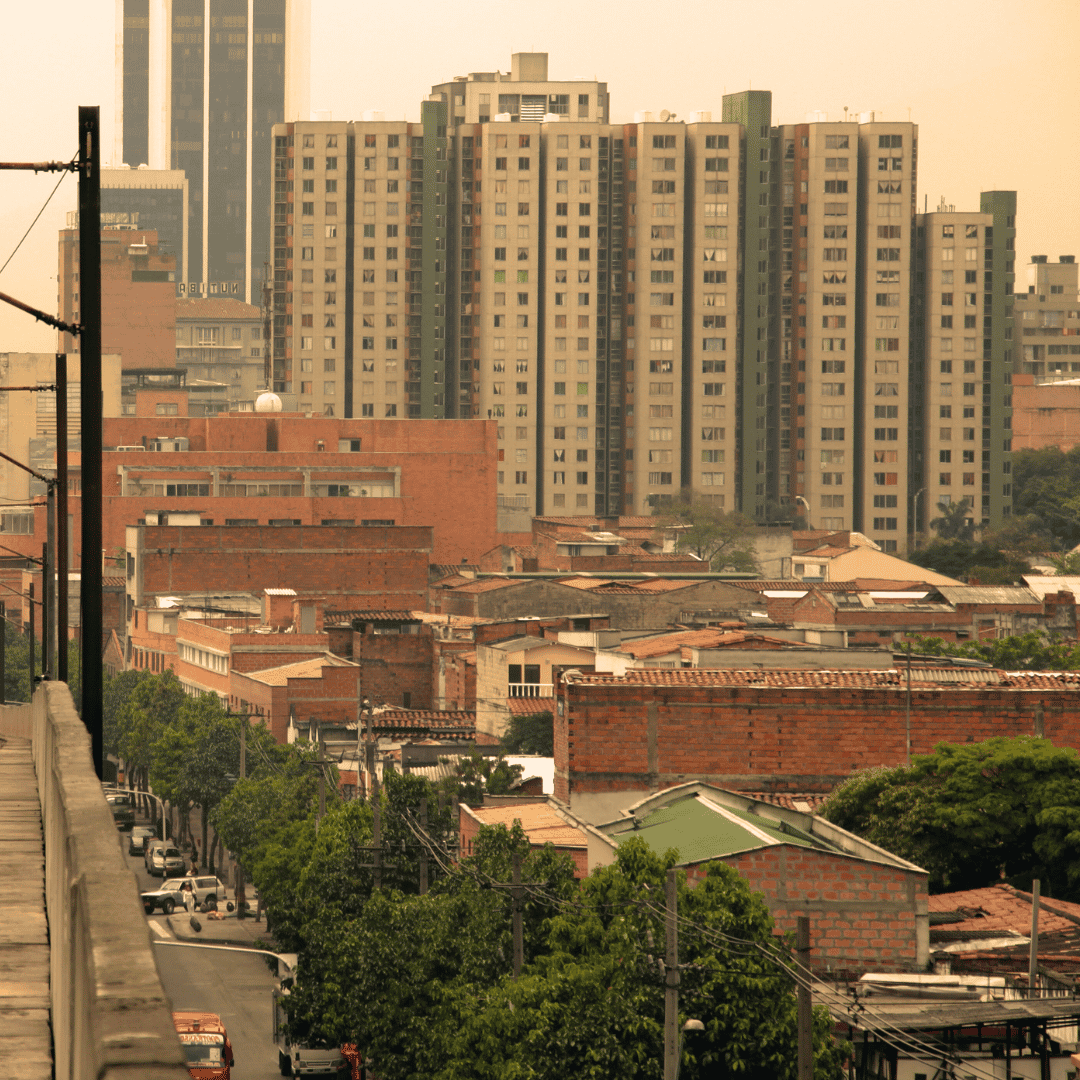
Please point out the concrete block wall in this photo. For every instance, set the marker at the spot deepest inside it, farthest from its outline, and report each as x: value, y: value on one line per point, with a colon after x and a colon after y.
x: 110, y: 1014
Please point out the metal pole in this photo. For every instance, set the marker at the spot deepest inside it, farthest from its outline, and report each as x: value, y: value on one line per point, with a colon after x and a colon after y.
x: 32, y: 633
x: 671, y: 979
x: 1033, y: 958
x: 48, y: 573
x: 241, y: 884
x: 3, y: 653
x: 423, y: 849
x: 805, y: 1003
x: 90, y: 374
x: 322, y: 785
x: 62, y: 543
x: 45, y: 620
x: 515, y: 899
x: 907, y: 725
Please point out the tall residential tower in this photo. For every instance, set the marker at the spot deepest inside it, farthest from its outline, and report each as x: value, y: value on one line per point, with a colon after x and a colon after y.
x: 200, y: 84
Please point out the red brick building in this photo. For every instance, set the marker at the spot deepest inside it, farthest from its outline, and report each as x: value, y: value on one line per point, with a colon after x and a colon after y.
x: 280, y: 469
x: 377, y: 568
x: 138, y: 297
x: 617, y: 738
x: 1045, y: 413
x: 867, y: 907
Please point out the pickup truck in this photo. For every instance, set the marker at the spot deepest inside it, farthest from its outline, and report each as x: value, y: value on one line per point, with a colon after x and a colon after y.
x: 206, y: 1044
x: 295, y: 1059
x: 206, y: 890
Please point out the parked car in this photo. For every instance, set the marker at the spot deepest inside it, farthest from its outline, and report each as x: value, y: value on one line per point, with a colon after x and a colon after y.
x: 123, y: 809
x: 165, y: 860
x: 207, y: 891
x: 140, y: 837
x: 148, y: 852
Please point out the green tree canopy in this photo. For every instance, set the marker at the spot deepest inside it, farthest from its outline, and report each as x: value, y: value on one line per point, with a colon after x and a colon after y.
x: 533, y: 734
x: 954, y: 522
x: 1032, y: 651
x: 963, y: 560
x: 423, y: 983
x: 724, y: 540
x: 975, y: 813
x: 1046, y: 486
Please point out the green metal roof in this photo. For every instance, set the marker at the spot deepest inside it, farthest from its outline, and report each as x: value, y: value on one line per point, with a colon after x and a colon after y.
x: 700, y: 830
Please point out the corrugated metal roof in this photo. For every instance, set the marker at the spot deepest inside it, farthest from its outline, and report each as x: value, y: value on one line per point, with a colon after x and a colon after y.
x: 701, y: 829
x: 1041, y: 585
x: 978, y: 594
x: 302, y: 669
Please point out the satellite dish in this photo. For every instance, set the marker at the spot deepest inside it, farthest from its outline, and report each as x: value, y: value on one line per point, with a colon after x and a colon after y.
x: 665, y: 116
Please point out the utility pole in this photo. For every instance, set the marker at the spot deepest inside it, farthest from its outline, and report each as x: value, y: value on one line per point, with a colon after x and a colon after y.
x: 241, y: 885
x: 1033, y: 958
x: 423, y: 848
x: 46, y: 582
x: 671, y: 979
x: 805, y: 1002
x: 32, y: 632
x: 3, y: 653
x: 61, y: 518
x: 92, y: 681
x: 515, y: 897
x: 322, y: 784
x: 907, y: 724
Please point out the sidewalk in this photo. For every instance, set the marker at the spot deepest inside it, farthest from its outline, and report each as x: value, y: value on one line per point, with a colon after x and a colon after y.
x: 246, y: 933
x: 25, y: 1034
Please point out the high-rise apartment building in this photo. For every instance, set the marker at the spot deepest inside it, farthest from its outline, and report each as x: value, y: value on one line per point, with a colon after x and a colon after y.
x: 731, y: 307
x: 964, y: 352
x: 1048, y: 317
x: 200, y: 84
x: 147, y: 198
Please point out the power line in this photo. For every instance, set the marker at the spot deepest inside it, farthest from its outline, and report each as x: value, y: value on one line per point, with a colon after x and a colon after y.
x: 35, y: 221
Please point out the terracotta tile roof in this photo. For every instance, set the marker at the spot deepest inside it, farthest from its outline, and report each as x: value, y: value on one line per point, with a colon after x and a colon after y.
x: 803, y: 804
x: 709, y: 638
x: 527, y: 551
x: 434, y: 618
x: 1002, y: 907
x: 485, y: 584
x: 518, y: 706
x: 434, y: 723
x: 893, y: 677
x: 302, y: 669
x: 221, y: 307
x: 114, y: 582
x: 622, y: 585
x: 541, y: 823
x: 440, y: 571
x: 337, y: 618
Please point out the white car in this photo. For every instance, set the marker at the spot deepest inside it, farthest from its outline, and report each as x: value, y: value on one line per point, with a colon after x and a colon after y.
x: 208, y: 892
x: 164, y: 859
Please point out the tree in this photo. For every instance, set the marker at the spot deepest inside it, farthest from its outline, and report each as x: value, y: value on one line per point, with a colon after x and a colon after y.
x: 955, y: 522
x: 1033, y: 651
x: 532, y: 734
x: 17, y: 664
x: 478, y: 774
x: 964, y: 559
x: 423, y: 983
x: 723, y: 540
x: 1046, y: 485
x: 971, y: 814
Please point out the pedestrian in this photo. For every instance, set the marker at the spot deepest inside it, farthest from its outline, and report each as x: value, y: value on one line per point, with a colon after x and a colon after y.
x: 188, y: 896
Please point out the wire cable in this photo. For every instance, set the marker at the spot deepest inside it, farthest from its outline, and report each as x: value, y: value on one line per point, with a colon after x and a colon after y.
x: 35, y: 221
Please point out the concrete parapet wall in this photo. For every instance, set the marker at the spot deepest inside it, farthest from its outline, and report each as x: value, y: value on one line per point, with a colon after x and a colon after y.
x: 110, y: 1015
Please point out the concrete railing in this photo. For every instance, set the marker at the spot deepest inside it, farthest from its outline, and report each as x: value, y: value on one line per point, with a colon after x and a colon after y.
x: 110, y: 1015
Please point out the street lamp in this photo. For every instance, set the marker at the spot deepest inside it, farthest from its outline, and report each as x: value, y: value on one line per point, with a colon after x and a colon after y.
x: 800, y: 499
x: 915, y: 519
x: 150, y: 795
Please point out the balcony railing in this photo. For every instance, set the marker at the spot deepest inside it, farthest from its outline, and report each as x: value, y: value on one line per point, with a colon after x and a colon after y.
x: 539, y: 690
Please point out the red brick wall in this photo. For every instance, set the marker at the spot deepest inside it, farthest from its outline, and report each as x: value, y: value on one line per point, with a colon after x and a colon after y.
x: 393, y: 665
x: 776, y: 738
x: 862, y: 915
x: 460, y: 681
x: 381, y: 568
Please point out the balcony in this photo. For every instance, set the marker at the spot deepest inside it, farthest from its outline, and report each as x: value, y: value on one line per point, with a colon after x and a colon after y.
x: 531, y: 690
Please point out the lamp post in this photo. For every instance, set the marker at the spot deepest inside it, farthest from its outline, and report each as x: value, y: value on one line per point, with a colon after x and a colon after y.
x: 800, y: 499
x: 915, y: 519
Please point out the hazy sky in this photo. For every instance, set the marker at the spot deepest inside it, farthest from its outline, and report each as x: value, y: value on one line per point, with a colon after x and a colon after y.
x: 992, y: 86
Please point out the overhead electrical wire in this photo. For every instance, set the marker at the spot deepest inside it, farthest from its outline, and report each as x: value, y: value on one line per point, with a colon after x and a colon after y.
x: 35, y: 221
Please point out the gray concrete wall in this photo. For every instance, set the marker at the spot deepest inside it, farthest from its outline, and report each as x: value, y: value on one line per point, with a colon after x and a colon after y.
x: 110, y: 1015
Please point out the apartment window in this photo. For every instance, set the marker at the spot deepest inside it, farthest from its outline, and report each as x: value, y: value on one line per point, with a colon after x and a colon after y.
x: 836, y: 187
x: 832, y: 434
x: 885, y: 524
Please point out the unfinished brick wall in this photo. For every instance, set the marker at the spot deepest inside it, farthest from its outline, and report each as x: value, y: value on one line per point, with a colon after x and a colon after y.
x: 863, y: 916
x: 395, y: 669
x: 624, y: 737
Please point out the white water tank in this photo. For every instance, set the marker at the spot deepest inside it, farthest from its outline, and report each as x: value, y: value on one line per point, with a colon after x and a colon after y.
x: 267, y: 402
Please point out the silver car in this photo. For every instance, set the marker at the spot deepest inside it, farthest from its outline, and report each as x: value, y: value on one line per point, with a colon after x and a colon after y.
x: 166, y: 860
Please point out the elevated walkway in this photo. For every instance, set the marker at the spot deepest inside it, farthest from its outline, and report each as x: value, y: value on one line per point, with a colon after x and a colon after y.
x: 25, y: 1035
x: 80, y: 996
